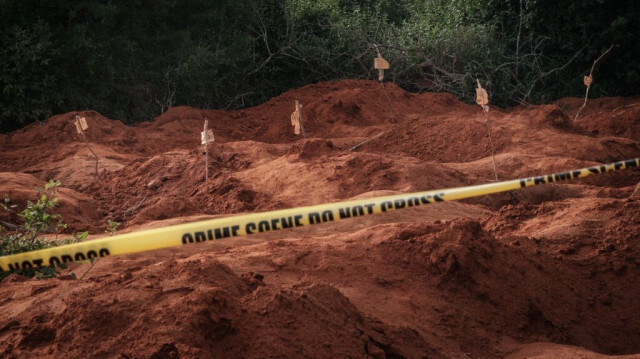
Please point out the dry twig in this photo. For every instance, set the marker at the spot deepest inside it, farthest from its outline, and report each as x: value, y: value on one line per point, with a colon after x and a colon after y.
x: 590, y: 78
x: 370, y: 139
x: 133, y: 209
x: 626, y: 106
x: 87, y: 271
x: 206, y: 150
x: 482, y: 99
x: 90, y: 149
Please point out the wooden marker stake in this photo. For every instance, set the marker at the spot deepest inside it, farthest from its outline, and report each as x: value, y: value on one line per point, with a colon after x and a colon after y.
x: 296, y: 120
x: 206, y: 136
x: 81, y: 126
x: 482, y: 99
x: 588, y: 80
x: 380, y: 64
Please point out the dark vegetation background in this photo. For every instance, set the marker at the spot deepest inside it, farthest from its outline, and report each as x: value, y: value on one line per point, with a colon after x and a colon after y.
x: 132, y: 59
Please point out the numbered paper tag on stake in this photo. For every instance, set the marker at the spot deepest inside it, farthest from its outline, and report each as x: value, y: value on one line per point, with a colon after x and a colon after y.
x: 482, y: 98
x: 296, y: 127
x: 295, y: 119
x: 81, y: 124
x: 207, y: 137
x: 380, y: 64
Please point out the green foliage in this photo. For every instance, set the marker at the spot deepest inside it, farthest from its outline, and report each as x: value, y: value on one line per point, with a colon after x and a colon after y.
x: 27, y: 83
x: 36, y: 221
x: 131, y: 60
x: 112, y: 227
x: 563, y: 39
x: 36, y: 218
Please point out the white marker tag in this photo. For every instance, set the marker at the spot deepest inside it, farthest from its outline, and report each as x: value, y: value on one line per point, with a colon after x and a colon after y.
x: 295, y: 119
x: 206, y: 137
x: 83, y: 123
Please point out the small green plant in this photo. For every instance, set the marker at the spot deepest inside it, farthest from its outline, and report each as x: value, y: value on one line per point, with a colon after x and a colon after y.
x: 36, y: 218
x: 7, y: 206
x: 16, y: 238
x: 112, y: 227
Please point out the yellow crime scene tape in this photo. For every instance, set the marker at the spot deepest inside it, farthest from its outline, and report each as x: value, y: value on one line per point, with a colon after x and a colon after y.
x: 246, y: 224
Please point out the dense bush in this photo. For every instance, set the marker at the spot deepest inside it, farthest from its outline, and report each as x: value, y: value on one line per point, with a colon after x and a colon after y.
x: 133, y: 59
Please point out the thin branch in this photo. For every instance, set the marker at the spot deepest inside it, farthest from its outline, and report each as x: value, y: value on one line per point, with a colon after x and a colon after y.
x: 621, y: 107
x: 598, y: 59
x: 370, y: 139
x: 11, y: 226
x: 87, y: 271
x: 545, y: 74
x: 518, y: 43
x: 239, y: 96
x: 133, y: 209
x: 427, y: 60
x: 393, y: 115
x: 90, y: 149
x: 493, y: 153
x: 586, y: 95
x: 263, y: 33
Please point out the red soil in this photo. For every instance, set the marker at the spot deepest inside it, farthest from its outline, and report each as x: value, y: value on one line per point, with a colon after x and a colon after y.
x: 550, y: 272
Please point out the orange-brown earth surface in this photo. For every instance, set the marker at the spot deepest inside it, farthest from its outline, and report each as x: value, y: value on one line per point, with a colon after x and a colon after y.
x: 546, y: 272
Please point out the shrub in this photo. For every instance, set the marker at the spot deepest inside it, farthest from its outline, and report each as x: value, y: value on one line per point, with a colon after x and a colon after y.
x: 36, y: 221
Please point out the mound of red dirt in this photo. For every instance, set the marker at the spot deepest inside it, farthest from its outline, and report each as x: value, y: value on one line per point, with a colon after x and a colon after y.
x: 615, y: 116
x: 542, y: 272
x: 77, y: 209
x: 220, y: 313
